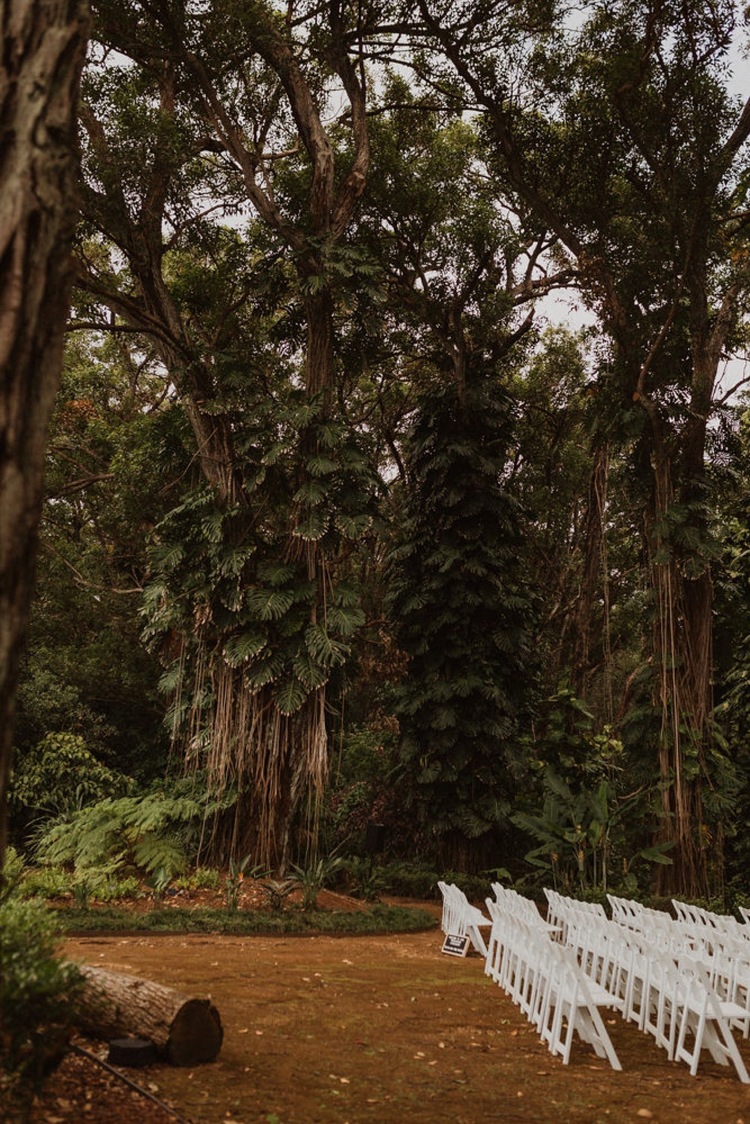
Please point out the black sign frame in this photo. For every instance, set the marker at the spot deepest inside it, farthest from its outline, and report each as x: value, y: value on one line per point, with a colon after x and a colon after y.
x: 456, y: 945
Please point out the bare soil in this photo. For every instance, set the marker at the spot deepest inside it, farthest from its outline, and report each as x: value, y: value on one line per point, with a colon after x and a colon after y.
x: 382, y: 1029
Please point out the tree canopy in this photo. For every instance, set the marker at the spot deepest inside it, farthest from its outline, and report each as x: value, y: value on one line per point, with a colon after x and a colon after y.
x: 320, y: 458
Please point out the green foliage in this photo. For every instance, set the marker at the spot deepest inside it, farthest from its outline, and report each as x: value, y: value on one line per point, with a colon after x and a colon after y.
x: 102, y: 884
x: 158, y: 882
x: 255, y: 597
x: 565, y: 738
x: 732, y: 645
x: 366, y: 787
x: 12, y: 872
x: 620, y: 123
x: 414, y: 879
x: 37, y: 1000
x: 202, y: 878
x: 112, y: 457
x: 118, y: 887
x: 365, y: 879
x: 238, y: 871
x: 60, y: 775
x: 277, y: 890
x: 378, y: 919
x: 462, y: 611
x: 314, y: 878
x: 410, y: 879
x: 150, y: 833
x: 582, y: 838
x: 48, y: 700
x: 45, y: 882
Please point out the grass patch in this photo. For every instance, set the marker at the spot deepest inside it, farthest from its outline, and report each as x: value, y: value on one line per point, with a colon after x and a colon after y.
x: 379, y: 919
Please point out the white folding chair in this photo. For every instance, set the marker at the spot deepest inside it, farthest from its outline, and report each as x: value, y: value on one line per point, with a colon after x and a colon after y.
x: 462, y: 919
x: 704, y: 1020
x: 571, y: 1005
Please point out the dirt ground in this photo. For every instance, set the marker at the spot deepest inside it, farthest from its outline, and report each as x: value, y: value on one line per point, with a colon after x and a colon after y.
x: 381, y: 1029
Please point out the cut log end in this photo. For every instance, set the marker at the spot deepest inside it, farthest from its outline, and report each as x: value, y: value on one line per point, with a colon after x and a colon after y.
x: 196, y: 1034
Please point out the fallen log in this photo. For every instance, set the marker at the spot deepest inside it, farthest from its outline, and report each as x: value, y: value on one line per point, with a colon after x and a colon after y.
x: 185, y: 1031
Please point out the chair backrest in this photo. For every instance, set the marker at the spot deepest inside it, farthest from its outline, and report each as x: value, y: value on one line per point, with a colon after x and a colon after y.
x: 626, y: 912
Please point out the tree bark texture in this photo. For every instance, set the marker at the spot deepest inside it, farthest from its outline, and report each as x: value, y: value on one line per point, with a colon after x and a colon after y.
x: 683, y: 693
x: 43, y: 47
x: 185, y: 1030
x: 587, y: 630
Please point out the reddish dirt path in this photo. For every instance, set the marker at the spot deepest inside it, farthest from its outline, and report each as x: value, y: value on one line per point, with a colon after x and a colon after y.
x: 387, y: 1029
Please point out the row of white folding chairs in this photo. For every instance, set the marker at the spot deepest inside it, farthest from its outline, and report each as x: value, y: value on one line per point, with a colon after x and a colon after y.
x: 510, y: 906
x: 722, y: 948
x: 725, y: 958
x: 706, y: 919
x: 669, y: 993
x: 635, y: 915
x: 563, y: 911
x: 520, y: 906
x: 460, y: 918
x: 687, y: 1005
x: 545, y: 980
x: 683, y: 1012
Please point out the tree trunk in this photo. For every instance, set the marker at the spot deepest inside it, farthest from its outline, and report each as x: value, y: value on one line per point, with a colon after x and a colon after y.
x: 586, y: 627
x: 186, y: 1031
x: 43, y: 47
x: 277, y: 760
x: 683, y: 694
x: 319, y: 351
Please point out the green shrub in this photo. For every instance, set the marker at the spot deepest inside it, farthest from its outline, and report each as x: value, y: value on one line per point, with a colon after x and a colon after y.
x: 410, y: 880
x: 314, y: 878
x: 37, y: 1000
x: 378, y: 919
x: 202, y: 878
x: 45, y: 882
x: 365, y: 880
x: 147, y: 833
x: 12, y: 872
x: 59, y: 775
x: 117, y: 888
x: 418, y: 880
x: 277, y: 891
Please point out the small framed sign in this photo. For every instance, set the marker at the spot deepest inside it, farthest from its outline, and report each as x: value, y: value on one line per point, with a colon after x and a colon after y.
x: 454, y: 945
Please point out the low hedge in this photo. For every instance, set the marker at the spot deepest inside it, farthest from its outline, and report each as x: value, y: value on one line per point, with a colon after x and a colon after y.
x: 378, y: 919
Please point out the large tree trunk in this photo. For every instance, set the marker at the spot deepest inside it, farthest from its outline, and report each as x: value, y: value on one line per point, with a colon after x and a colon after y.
x: 682, y: 692
x: 43, y: 47
x: 184, y: 1030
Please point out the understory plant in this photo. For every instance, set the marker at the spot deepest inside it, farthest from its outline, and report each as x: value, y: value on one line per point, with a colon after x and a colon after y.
x: 366, y: 879
x: 58, y: 776
x: 277, y: 891
x: 238, y: 872
x: 314, y: 878
x: 37, y: 1001
x: 581, y: 833
x: 149, y: 833
x: 202, y: 878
